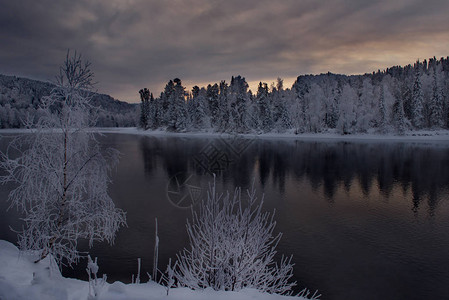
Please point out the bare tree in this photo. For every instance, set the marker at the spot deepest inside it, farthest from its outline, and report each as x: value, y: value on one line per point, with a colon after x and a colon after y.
x: 232, y: 246
x: 61, y: 174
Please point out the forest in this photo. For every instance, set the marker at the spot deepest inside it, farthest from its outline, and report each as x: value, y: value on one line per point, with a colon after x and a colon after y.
x: 21, y: 98
x: 395, y: 100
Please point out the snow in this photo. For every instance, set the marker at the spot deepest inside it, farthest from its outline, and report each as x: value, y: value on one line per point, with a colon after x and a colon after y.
x: 434, y: 136
x: 22, y: 279
x: 417, y: 136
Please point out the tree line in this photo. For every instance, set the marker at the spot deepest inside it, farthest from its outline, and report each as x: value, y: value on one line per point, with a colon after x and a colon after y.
x: 397, y: 100
x: 22, y: 98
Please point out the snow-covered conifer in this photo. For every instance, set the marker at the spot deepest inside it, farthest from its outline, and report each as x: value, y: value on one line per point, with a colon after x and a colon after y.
x: 300, y: 106
x: 177, y: 107
x: 264, y: 107
x: 436, y: 103
x: 315, y: 113
x: 347, y: 108
x: 144, y: 108
x: 417, y: 105
x: 399, y: 119
x: 281, y: 116
x: 197, y: 109
x: 238, y: 99
x: 223, y: 114
x: 366, y: 107
x: 212, y: 92
x: 382, y: 117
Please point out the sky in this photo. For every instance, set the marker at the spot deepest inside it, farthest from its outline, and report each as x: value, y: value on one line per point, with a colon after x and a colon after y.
x: 134, y: 44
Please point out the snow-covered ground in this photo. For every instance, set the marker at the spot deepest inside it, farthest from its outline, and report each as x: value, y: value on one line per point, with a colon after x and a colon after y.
x: 22, y: 279
x: 411, y: 136
x: 439, y: 136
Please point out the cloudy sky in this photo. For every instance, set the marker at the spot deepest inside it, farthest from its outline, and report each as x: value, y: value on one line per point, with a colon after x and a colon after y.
x: 143, y: 43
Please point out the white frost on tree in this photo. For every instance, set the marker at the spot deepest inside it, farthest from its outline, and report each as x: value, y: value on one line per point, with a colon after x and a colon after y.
x: 232, y: 246
x: 238, y: 99
x: 347, y: 108
x: 145, y: 109
x: 399, y: 120
x: 315, y: 114
x: 177, y: 107
x: 314, y: 103
x: 436, y: 102
x: 197, y: 109
x: 366, y: 106
x: 382, y: 121
x: 264, y: 113
x: 417, y: 100
x: 62, y: 174
x: 281, y: 114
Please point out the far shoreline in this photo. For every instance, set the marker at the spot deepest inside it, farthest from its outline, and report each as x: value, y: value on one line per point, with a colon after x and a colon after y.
x: 421, y: 136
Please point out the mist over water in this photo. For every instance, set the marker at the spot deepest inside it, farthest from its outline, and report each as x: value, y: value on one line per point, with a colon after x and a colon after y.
x: 362, y: 220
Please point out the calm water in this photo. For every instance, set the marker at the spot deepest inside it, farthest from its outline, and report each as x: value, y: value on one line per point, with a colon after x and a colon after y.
x: 362, y: 220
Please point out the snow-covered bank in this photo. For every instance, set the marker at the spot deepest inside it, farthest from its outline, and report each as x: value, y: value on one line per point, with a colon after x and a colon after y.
x: 440, y: 136
x: 22, y: 279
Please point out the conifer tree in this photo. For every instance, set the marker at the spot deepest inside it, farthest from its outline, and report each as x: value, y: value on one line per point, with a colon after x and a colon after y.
x: 223, y: 108
x: 436, y: 103
x: 264, y: 105
x: 152, y: 112
x: 144, y: 108
x: 399, y: 119
x: 382, y: 110
x: 177, y: 107
x: 347, y: 118
x: 281, y: 115
x: 238, y: 99
x: 197, y: 109
x: 417, y: 105
x: 212, y: 93
x: 333, y: 108
x: 164, y: 116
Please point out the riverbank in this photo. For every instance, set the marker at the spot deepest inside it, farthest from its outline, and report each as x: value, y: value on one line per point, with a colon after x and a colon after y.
x: 22, y: 279
x: 409, y: 136
x: 440, y: 136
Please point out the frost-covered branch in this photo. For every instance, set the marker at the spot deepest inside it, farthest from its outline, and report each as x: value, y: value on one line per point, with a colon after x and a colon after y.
x: 61, y: 173
x: 232, y: 246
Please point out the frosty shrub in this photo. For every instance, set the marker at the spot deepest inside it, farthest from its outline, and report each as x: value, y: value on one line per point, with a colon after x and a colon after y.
x: 61, y: 175
x: 232, y: 246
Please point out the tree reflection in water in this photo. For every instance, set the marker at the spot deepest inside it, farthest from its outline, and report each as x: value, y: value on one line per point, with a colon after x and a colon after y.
x: 418, y: 167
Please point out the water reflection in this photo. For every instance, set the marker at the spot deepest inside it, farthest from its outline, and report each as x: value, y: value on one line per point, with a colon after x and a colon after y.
x: 412, y: 166
x: 355, y: 216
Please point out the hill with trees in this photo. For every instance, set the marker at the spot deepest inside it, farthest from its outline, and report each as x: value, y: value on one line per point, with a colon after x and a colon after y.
x: 20, y: 97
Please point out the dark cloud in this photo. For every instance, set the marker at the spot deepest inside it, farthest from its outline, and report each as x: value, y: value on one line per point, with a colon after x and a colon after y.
x: 144, y: 43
